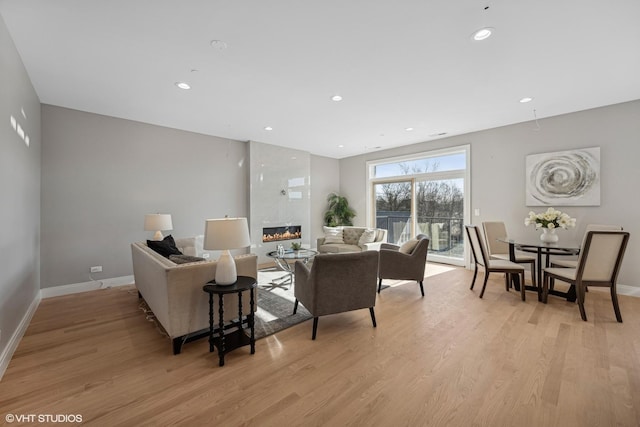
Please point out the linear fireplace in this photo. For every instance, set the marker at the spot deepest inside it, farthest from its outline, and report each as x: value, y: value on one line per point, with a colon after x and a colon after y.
x: 288, y: 232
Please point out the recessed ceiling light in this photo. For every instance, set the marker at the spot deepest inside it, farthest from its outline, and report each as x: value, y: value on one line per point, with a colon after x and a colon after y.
x: 219, y: 44
x: 526, y: 99
x: 336, y: 98
x: 268, y: 128
x: 341, y: 146
x: 408, y: 129
x: 483, y: 33
x: 183, y: 85
x: 437, y: 134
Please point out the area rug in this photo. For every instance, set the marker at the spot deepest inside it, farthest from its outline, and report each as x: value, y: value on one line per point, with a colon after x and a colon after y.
x: 275, y: 306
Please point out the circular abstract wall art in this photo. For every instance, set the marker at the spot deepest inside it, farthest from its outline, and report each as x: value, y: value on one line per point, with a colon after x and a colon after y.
x: 564, y: 178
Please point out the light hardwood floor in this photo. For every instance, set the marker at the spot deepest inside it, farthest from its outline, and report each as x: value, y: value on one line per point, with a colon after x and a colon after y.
x: 448, y: 359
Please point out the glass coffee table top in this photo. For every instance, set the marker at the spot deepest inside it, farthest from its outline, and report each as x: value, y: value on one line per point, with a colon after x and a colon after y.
x: 281, y: 259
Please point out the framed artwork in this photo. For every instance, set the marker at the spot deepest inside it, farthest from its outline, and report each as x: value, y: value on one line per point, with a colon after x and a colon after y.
x: 564, y: 178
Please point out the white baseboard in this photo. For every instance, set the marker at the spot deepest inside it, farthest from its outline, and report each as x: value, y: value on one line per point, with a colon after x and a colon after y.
x: 75, y: 288
x: 12, y: 345
x: 632, y: 291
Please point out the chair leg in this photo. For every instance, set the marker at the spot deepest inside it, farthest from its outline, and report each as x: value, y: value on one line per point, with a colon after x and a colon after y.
x: 616, y: 307
x: 373, y: 316
x: 295, y: 306
x: 315, y: 328
x: 475, y: 273
x: 484, y: 285
x: 533, y: 275
x: 421, y: 288
x: 580, y: 292
x: 545, y: 287
x: 507, y: 279
x: 522, y: 289
x: 379, y: 285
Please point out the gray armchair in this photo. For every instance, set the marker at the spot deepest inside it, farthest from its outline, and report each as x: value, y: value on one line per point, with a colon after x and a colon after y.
x: 406, y: 262
x: 336, y: 283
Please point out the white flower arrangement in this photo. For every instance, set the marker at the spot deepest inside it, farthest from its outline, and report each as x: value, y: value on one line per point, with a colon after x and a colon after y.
x: 550, y: 219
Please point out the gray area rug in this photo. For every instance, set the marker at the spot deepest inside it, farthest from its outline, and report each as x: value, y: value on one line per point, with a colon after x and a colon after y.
x: 275, y: 305
x: 275, y: 313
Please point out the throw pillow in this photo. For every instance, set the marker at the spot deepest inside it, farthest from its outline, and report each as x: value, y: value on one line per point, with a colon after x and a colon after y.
x: 333, y: 235
x: 408, y: 246
x: 184, y: 259
x: 368, y: 236
x: 165, y: 247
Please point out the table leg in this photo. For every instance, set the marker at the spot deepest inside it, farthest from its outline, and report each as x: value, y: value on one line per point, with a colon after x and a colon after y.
x: 514, y: 278
x: 252, y: 323
x: 221, y: 350
x: 539, y: 273
x: 210, y: 322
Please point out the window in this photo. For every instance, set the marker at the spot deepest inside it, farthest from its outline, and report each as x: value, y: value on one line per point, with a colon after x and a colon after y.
x: 425, y: 193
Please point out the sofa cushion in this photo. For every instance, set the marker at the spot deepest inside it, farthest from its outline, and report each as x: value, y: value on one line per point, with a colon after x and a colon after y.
x: 335, y: 248
x: 368, y: 236
x: 333, y: 234
x: 164, y: 247
x: 351, y: 235
x: 408, y: 246
x: 184, y: 259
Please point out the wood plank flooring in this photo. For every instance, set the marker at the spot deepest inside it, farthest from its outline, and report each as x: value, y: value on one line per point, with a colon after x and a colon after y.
x: 448, y: 359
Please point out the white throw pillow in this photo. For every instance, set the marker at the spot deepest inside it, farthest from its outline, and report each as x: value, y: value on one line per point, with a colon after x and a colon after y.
x: 333, y: 235
x: 368, y: 236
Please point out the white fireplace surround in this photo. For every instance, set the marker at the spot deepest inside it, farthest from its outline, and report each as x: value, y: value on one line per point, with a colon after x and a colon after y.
x: 280, y: 195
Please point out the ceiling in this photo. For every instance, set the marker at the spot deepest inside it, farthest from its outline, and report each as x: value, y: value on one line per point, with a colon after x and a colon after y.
x: 397, y: 64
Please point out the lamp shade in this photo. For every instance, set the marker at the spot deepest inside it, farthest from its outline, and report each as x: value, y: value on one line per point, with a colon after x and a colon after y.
x: 154, y: 222
x: 226, y: 233
x: 157, y: 223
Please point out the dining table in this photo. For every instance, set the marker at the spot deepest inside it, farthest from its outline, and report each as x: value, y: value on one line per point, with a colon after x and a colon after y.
x: 542, y: 250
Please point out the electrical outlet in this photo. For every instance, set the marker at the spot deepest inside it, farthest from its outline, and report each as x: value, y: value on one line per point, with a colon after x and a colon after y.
x: 477, y: 212
x: 96, y: 269
x: 205, y: 256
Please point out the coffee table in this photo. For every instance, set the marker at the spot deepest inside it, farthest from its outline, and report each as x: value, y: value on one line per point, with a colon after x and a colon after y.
x: 281, y: 260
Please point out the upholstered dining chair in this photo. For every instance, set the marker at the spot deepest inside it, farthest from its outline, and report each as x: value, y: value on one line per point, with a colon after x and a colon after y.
x: 406, y: 262
x: 573, y: 263
x: 493, y: 230
x: 481, y: 257
x: 598, y: 265
x: 337, y: 283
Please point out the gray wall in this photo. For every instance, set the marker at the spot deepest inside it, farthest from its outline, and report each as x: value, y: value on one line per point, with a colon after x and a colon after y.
x: 19, y: 191
x: 325, y: 179
x: 497, y: 172
x: 101, y: 175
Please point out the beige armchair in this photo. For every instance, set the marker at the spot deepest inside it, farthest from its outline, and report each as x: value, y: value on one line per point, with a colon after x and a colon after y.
x: 406, y: 262
x: 337, y: 283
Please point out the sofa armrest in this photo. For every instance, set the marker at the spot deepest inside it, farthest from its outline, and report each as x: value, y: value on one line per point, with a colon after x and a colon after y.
x: 374, y: 246
x: 319, y: 242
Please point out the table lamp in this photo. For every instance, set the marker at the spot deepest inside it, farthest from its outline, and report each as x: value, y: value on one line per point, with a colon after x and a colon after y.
x: 157, y: 223
x: 224, y: 234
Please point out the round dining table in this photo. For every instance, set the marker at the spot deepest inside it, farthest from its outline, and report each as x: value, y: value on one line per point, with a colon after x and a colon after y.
x: 546, y: 250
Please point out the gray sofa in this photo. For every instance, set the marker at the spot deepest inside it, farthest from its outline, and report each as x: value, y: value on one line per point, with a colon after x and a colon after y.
x: 351, y: 236
x: 174, y: 291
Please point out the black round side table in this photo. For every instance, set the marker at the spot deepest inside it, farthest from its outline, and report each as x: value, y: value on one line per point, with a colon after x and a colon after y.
x: 238, y: 338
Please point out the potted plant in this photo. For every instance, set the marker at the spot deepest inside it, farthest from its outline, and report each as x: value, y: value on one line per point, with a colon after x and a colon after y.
x: 339, y: 212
